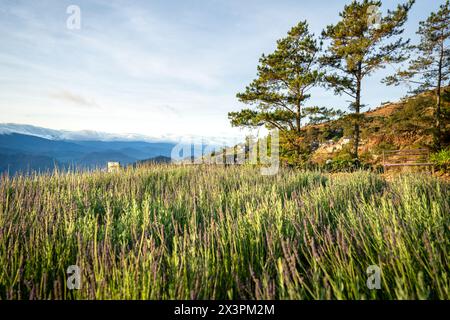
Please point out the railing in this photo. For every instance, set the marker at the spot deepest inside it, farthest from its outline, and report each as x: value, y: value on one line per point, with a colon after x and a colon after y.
x: 407, y: 158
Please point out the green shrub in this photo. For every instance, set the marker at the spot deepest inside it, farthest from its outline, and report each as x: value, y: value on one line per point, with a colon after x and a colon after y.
x: 441, y: 160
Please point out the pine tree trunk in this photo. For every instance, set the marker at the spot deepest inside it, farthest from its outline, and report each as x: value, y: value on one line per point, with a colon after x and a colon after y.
x: 357, y: 112
x: 437, y: 136
x: 299, y: 123
x: 437, y: 114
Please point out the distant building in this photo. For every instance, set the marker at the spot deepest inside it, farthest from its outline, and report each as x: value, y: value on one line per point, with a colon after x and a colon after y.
x: 113, y: 166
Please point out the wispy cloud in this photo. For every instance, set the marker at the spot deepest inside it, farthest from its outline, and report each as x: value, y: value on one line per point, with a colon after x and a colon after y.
x: 74, y: 98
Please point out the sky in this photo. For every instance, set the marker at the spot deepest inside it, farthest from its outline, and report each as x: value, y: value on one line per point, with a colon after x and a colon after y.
x: 157, y: 68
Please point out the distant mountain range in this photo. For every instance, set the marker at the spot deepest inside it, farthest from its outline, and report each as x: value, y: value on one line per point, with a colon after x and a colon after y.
x: 26, y: 148
x: 90, y: 135
x: 84, y: 135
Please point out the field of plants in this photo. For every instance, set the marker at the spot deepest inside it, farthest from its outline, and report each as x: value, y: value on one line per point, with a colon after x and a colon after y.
x: 193, y: 232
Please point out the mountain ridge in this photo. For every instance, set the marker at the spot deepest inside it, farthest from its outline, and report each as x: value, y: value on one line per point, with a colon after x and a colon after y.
x: 82, y: 135
x: 23, y: 153
x: 92, y: 135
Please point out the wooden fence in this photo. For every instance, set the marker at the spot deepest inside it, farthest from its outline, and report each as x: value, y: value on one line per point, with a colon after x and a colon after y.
x: 407, y: 158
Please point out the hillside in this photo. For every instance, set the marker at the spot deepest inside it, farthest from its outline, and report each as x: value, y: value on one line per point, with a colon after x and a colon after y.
x: 406, y: 124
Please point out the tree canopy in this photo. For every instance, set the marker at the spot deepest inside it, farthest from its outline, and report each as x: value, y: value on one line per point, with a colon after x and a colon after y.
x: 358, y: 47
x: 430, y: 66
x: 283, y: 81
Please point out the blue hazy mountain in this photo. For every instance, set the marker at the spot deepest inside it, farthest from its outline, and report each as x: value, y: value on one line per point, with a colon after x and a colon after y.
x: 155, y: 160
x: 26, y: 163
x: 25, y: 153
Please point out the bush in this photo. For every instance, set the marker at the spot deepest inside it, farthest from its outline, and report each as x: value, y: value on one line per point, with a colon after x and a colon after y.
x: 441, y: 160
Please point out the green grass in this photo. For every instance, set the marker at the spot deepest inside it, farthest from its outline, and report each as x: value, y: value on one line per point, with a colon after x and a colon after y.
x: 172, y: 232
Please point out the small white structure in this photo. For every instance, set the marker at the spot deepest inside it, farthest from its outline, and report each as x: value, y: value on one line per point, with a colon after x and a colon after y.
x: 113, y: 166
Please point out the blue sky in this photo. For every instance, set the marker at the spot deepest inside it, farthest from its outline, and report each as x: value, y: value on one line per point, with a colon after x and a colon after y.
x: 159, y: 68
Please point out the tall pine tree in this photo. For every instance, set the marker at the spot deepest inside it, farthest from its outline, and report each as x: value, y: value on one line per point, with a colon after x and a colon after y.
x: 358, y: 47
x: 429, y: 69
x: 281, y: 88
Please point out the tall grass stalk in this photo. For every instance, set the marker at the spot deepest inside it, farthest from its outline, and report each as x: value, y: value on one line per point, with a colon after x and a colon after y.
x: 194, y: 232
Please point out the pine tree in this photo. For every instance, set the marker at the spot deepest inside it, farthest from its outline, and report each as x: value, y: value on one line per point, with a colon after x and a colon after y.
x: 281, y: 88
x: 358, y: 47
x: 430, y: 67
x: 317, y: 115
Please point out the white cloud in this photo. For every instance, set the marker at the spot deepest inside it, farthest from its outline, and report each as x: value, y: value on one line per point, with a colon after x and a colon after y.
x: 167, y: 68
